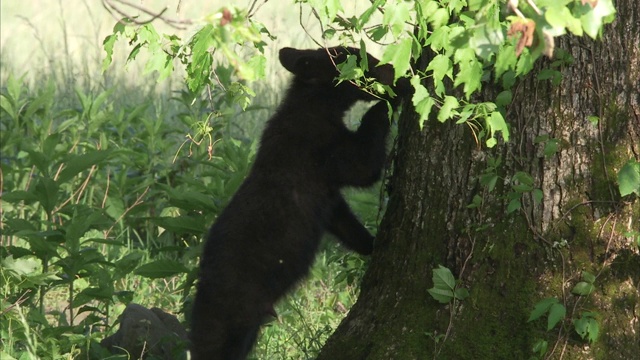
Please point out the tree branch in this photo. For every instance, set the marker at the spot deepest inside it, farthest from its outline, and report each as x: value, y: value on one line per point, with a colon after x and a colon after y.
x: 116, y: 7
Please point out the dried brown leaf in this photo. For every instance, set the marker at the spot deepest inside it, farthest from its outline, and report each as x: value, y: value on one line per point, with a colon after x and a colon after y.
x: 526, y: 29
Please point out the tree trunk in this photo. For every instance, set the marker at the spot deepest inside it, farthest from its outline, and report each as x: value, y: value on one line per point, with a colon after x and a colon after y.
x: 510, y: 262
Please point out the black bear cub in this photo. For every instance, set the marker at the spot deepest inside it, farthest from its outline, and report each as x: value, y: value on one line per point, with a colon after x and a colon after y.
x: 266, y: 239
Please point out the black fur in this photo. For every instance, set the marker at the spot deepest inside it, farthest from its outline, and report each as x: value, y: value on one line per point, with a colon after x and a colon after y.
x: 266, y: 239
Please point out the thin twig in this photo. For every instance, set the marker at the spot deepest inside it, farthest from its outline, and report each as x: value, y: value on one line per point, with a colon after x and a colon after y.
x: 20, y: 300
x: 136, y: 203
x: 253, y: 9
x: 111, y: 7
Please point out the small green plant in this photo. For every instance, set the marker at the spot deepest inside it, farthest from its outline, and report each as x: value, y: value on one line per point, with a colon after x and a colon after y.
x: 586, y: 326
x: 521, y: 182
x: 554, y: 310
x: 629, y: 178
x: 445, y: 289
x: 585, y: 287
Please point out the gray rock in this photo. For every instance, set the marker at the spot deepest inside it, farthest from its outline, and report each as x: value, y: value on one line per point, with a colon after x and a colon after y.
x: 148, y: 333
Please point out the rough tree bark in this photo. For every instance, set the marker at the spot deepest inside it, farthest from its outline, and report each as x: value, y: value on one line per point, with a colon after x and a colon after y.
x: 509, y: 262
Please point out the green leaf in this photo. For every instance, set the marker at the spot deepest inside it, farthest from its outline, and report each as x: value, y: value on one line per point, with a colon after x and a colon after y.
x: 47, y: 193
x: 253, y: 69
x: 74, y: 164
x: 581, y: 326
x: 522, y: 188
x: 587, y: 325
x: 443, y: 286
x: 82, y: 221
x: 593, y: 328
x: 91, y: 294
x: 108, y: 43
x: 441, y: 66
x: 439, y: 39
x: 551, y: 148
x: 186, y: 224
x: 574, y: 24
x: 421, y: 100
x: 495, y: 122
x: 160, y: 62
x: 22, y: 266
x: 541, y: 308
x: 461, y: 293
x: 594, y: 18
x: 443, y: 278
x: 127, y: 264
x: 443, y: 296
x: 350, y: 69
x: 513, y: 206
x: 523, y: 178
x: 476, y: 202
x: 541, y: 347
x: 629, y: 178
x: 43, y: 102
x: 201, y: 59
x: 396, y: 17
x: 524, y: 64
x: 49, y: 146
x: 475, y: 5
x: 557, y: 312
x: 7, y: 105
x: 486, y: 39
x: 505, y: 61
x: 583, y: 288
x: 399, y: 55
x: 447, y: 110
x: 366, y: 15
x: 328, y: 8
x: 504, y: 98
x: 537, y: 196
x: 439, y: 18
x: 470, y: 72
x: 40, y: 160
x: 489, y: 180
x: 556, y: 16
x: 190, y: 199
x: 588, y: 277
x: 161, y: 269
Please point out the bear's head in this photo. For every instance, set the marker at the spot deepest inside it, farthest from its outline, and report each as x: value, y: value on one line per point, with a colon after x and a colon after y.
x: 318, y: 67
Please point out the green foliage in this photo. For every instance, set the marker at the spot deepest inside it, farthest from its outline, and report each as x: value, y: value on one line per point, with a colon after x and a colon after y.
x: 444, y: 288
x: 586, y: 326
x: 164, y: 268
x: 629, y: 178
x: 585, y: 287
x: 521, y: 183
x: 554, y: 310
x: 470, y: 44
x: 90, y: 195
x: 211, y: 53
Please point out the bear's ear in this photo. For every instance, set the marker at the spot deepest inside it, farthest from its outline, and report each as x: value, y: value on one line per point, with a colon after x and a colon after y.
x: 384, y: 73
x: 310, y: 66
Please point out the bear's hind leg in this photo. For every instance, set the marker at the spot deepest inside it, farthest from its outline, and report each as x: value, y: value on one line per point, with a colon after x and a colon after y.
x: 227, y: 338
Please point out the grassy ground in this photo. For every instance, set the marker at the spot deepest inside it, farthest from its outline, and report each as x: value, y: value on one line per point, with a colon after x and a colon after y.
x: 66, y: 276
